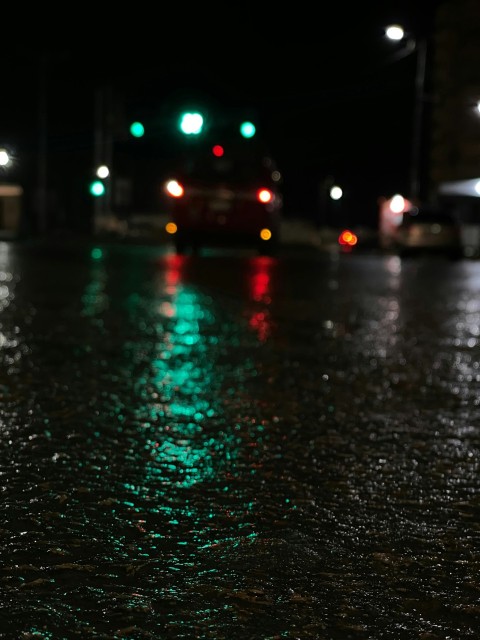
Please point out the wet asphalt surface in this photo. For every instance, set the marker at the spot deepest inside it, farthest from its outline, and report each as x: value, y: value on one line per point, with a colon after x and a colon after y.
x: 237, y: 447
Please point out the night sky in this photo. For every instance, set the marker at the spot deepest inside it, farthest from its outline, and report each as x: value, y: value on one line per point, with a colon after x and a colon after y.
x: 322, y: 82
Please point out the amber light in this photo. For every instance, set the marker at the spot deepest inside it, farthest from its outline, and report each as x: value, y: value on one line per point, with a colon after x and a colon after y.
x: 171, y: 228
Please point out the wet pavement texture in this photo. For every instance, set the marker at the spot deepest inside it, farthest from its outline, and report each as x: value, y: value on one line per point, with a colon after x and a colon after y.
x: 238, y: 447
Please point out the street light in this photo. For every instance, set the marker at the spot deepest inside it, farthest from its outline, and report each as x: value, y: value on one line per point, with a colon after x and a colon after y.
x: 419, y: 46
x: 4, y: 158
x: 336, y: 192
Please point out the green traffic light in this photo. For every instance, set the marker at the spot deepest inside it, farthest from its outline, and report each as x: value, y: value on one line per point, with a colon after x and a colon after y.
x: 247, y: 129
x: 96, y: 253
x: 191, y: 123
x: 137, y: 129
x: 97, y: 188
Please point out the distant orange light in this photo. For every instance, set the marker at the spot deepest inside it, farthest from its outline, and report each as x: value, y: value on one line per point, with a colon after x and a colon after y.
x: 347, y: 238
x: 265, y: 234
x: 171, y: 228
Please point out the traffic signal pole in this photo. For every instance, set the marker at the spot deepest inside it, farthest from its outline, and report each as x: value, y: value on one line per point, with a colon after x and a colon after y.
x: 102, y: 152
x: 98, y: 153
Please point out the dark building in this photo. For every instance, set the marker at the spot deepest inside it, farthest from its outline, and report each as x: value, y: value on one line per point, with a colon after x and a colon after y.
x: 454, y: 149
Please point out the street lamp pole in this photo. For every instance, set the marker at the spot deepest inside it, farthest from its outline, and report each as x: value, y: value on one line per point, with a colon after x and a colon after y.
x: 415, y: 168
x: 419, y: 47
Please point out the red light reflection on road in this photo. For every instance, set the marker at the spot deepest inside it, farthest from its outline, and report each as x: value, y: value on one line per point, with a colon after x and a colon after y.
x: 174, y: 264
x: 260, y: 292
x: 260, y: 275
x: 173, y: 273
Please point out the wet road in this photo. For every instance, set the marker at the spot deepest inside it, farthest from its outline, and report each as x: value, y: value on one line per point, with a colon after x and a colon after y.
x: 236, y: 447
